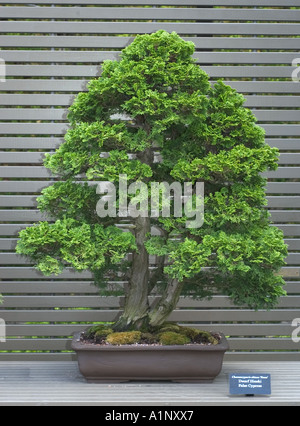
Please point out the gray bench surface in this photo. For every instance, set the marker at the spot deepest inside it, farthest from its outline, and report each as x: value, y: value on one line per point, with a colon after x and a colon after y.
x: 60, y: 383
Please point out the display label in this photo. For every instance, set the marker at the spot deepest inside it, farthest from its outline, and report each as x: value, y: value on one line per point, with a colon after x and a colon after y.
x: 250, y: 384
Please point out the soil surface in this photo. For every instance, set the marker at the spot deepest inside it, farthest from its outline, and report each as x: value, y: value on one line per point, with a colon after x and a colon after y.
x: 150, y: 340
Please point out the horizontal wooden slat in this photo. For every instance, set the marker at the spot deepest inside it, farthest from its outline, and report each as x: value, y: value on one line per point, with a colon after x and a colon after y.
x: 22, y: 215
x: 91, y: 71
x: 286, y: 43
x: 31, y: 273
x: 30, y: 201
x: 100, y: 56
x: 293, y: 243
x: 150, y: 13
x: 60, y: 114
x: 263, y: 344
x: 293, y: 259
x: 27, y: 272
x: 290, y: 230
x: 43, y: 85
x: 34, y: 113
x: 20, y: 142
x: 42, y: 172
x: 60, y: 315
x: 284, y: 216
x: 26, y: 186
x: 10, y: 243
x: 30, y: 128
x: 32, y: 215
x: 282, y: 172
x: 60, y: 302
x: 288, y: 144
x: 49, y: 287
x: 15, y: 259
x: 279, y: 129
x: 283, y: 201
x: 272, y: 101
x: 283, y: 187
x: 24, y: 171
x: 58, y: 56
x: 290, y: 272
x: 292, y: 287
x: 17, y: 201
x: 192, y: 315
x: 36, y: 344
x: 30, y: 142
x: 21, y: 157
x: 57, y: 85
x: 290, y: 158
x: 86, y: 287
x: 63, y: 100
x: 273, y: 115
x: 13, y: 229
x: 114, y: 302
x: 58, y: 330
x: 56, y: 71
x: 37, y: 186
x: 61, y: 128
x: 146, y: 27
x: 34, y: 99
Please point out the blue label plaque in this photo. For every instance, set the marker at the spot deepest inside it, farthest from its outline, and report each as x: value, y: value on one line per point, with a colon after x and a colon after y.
x: 250, y: 384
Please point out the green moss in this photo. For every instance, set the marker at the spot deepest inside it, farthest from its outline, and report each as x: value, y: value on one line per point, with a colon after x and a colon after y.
x: 98, y: 331
x: 172, y: 327
x: 189, y: 332
x: 168, y: 333
x: 206, y: 337
x: 149, y: 338
x: 172, y: 338
x: 124, y: 338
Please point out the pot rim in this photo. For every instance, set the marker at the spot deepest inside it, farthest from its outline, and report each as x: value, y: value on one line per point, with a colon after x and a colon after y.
x: 77, y: 345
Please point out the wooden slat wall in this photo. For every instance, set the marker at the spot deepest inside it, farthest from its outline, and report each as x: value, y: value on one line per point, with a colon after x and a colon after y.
x: 51, y: 49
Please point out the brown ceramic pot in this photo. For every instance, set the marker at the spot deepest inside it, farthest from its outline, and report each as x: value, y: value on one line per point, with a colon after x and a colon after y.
x: 192, y: 363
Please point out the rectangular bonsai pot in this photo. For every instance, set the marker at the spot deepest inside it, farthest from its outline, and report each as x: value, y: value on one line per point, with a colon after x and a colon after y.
x: 193, y: 363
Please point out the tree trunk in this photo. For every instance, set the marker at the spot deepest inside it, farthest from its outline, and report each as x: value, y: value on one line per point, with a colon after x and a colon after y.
x: 137, y: 314
x: 166, y: 304
x: 136, y: 308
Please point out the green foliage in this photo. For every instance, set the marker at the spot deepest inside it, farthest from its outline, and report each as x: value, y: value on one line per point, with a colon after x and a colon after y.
x: 203, y: 133
x: 70, y: 243
x: 237, y: 164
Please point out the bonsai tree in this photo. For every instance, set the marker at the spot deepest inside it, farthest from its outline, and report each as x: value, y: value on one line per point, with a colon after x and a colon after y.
x: 156, y: 99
